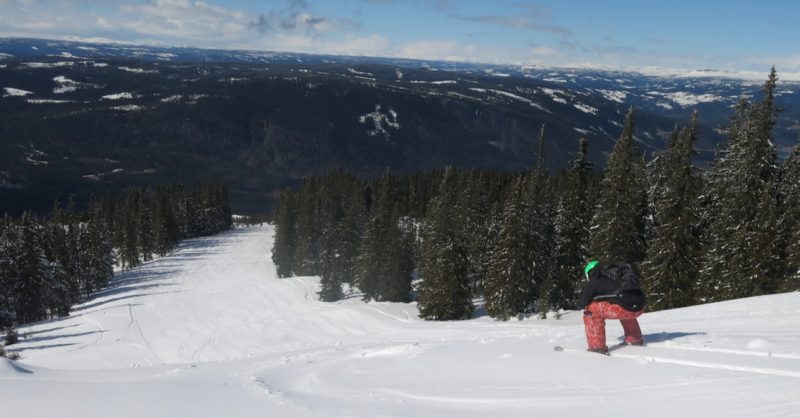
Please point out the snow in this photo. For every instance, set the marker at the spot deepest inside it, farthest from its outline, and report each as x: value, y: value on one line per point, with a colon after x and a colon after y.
x: 211, y: 331
x: 129, y: 108
x: 10, y: 91
x: 512, y: 96
x: 685, y: 99
x: 48, y: 64
x: 65, y: 85
x: 47, y: 101
x: 440, y: 82
x: 180, y: 98
x: 138, y: 70
x: 614, y: 95
x: 554, y: 94
x: 586, y: 108
x: 354, y: 71
x: 379, y: 119
x: 118, y: 96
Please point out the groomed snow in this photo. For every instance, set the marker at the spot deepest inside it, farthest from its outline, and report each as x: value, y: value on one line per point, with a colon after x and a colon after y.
x: 210, y: 331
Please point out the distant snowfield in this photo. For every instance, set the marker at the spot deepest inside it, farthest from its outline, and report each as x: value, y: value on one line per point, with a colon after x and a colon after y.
x: 211, y: 331
x: 10, y: 91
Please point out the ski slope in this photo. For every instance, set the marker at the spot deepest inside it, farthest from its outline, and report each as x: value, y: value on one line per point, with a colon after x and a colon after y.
x: 210, y: 331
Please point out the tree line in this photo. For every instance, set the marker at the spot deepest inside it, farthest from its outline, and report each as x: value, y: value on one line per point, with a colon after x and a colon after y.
x: 51, y: 263
x: 520, y: 240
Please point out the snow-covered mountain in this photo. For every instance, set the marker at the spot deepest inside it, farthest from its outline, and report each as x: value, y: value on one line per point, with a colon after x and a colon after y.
x: 211, y: 331
x: 98, y: 117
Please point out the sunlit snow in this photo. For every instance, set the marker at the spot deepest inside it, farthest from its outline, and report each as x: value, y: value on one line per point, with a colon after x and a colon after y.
x: 211, y: 331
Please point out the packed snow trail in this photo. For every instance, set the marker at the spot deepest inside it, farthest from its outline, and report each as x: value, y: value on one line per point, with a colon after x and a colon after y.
x: 211, y: 331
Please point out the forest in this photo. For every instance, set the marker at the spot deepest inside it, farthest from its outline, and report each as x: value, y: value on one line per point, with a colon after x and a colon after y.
x: 48, y: 265
x: 519, y: 241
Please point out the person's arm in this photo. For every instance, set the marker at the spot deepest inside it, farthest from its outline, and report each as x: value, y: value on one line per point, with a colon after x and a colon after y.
x: 587, y: 295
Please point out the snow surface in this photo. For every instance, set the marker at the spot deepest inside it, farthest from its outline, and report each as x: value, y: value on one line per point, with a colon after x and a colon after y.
x: 586, y: 108
x: 138, y: 70
x: 211, y: 331
x: 118, y: 96
x: 10, y: 91
x: 685, y: 99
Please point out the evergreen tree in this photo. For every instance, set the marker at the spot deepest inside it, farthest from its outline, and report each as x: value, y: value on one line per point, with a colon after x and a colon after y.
x: 540, y: 213
x: 285, y: 235
x: 673, y: 254
x: 30, y: 289
x: 97, y: 251
x: 482, y: 223
x: 619, y: 219
x: 739, y: 255
x: 510, y: 284
x: 385, y: 265
x: 573, y: 218
x: 307, y: 250
x: 444, y: 293
x: 789, y: 225
x: 8, y: 236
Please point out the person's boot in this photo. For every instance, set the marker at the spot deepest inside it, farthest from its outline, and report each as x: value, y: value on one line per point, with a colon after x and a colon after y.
x: 601, y: 350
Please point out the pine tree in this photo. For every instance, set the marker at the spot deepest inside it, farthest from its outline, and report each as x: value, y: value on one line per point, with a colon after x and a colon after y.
x: 739, y: 255
x: 510, y: 284
x: 619, y: 219
x: 482, y: 223
x: 97, y: 251
x: 7, y: 262
x: 444, y: 293
x: 673, y: 254
x: 385, y: 265
x: 284, y: 248
x: 30, y: 289
x: 540, y: 213
x: 307, y: 250
x: 573, y: 218
x: 789, y: 225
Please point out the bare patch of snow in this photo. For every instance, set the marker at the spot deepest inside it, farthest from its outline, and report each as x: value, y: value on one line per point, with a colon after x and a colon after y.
x: 434, y: 82
x: 137, y: 70
x: 66, y: 85
x: 128, y: 108
x: 118, y: 96
x: 379, y: 119
x: 48, y: 101
x: 182, y: 98
x: 684, y: 99
x: 586, y: 108
x: 614, y: 95
x: 512, y: 96
x: 354, y: 71
x: 582, y: 131
x: 10, y: 91
x: 48, y: 64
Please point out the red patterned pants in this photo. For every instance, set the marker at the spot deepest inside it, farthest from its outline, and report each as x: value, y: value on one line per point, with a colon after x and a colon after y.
x: 595, y: 315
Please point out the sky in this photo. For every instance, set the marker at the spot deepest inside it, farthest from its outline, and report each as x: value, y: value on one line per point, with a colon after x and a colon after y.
x: 726, y: 35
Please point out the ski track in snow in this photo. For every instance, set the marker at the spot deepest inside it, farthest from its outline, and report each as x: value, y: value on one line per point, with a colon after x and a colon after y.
x: 211, y: 331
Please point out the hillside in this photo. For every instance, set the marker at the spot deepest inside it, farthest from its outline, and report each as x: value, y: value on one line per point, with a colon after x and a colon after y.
x: 210, y: 331
x: 78, y: 119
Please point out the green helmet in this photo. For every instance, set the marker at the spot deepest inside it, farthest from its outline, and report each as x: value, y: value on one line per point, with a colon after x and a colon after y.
x: 589, y: 266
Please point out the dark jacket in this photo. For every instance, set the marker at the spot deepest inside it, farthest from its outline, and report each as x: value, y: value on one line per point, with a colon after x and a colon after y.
x: 599, y: 285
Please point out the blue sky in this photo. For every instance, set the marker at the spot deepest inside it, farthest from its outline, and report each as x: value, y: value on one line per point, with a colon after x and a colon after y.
x: 727, y: 35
